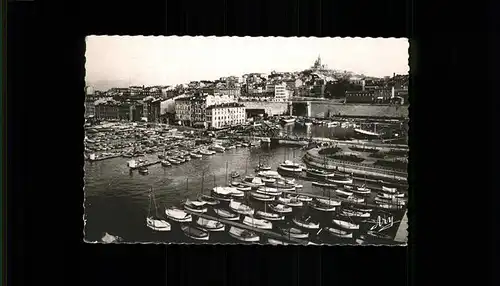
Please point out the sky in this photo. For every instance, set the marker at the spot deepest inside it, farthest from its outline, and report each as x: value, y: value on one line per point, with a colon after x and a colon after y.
x: 121, y: 61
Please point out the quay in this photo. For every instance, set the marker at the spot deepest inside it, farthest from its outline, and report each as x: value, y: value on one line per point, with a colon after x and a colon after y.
x: 403, y: 187
x: 364, y: 204
x: 267, y: 233
x: 145, y: 165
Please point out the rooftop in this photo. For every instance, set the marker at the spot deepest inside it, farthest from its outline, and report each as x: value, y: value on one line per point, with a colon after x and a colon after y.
x: 230, y: 104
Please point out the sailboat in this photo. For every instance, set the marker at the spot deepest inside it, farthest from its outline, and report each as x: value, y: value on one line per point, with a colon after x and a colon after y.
x: 269, y: 215
x: 155, y: 222
x: 210, y: 225
x: 306, y: 223
x: 257, y: 223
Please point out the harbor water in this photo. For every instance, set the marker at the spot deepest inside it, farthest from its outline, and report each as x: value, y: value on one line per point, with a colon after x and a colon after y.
x: 116, y: 199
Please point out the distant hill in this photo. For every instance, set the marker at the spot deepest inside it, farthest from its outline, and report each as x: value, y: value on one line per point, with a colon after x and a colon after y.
x: 104, y: 85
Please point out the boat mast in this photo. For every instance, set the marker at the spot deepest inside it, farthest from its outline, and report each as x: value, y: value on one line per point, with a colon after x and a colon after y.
x: 202, y: 181
x: 226, y: 173
x: 154, y: 201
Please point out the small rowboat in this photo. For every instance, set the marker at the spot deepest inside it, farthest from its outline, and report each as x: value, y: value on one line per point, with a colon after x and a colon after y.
x: 243, y: 234
x: 345, y: 224
x: 226, y: 214
x: 295, y: 233
x: 195, y: 232
x: 338, y: 232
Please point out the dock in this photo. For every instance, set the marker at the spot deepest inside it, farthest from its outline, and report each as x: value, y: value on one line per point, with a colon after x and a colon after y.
x: 145, y: 165
x: 265, y: 232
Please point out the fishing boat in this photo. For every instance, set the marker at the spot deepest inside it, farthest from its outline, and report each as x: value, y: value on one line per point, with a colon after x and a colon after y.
x: 319, y: 174
x: 340, y: 179
x: 241, y: 208
x: 269, y: 174
x: 186, y: 158
x: 253, y: 182
x: 225, y: 214
x: 161, y: 156
x: 195, y: 232
x: 353, y: 213
x: 243, y: 234
x: 165, y: 163
x: 390, y: 196
x: 393, y: 201
x: 289, y: 168
x: 346, y: 224
x: 272, y: 241
x: 227, y: 193
x: 268, y: 180
x: 280, y: 208
x: 322, y: 207
x: 173, y: 161
x: 180, y: 159
x: 244, y: 188
x: 389, y: 190
x: 194, y: 155
x: 235, y: 183
x: 269, y: 191
x: 217, y: 148
x: 257, y: 223
x: 245, y: 144
x: 269, y: 216
x: 343, y: 193
x: 329, y: 202
x: 195, y: 206
x: 206, y: 152
x: 209, y: 200
x: 361, y: 209
x: 143, y: 170
x: 302, y: 198
x: 361, y: 191
x: 262, y: 197
x: 290, y: 201
x: 262, y: 167
x: 295, y: 233
x: 154, y: 222
x: 378, y: 235
x: 210, y: 224
x: 338, y: 232
x: 306, y: 223
x: 325, y: 185
x: 389, y: 206
x: 235, y: 175
x: 178, y: 215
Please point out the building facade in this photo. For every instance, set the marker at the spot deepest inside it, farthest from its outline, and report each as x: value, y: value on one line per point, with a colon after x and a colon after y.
x: 225, y: 115
x: 109, y: 110
x: 89, y: 106
x: 362, y: 96
x: 183, y: 110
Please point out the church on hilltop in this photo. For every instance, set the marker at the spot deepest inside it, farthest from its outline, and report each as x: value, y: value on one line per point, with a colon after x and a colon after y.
x: 318, y: 66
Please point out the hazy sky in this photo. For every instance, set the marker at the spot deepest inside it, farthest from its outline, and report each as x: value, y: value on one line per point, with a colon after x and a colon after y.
x: 135, y: 60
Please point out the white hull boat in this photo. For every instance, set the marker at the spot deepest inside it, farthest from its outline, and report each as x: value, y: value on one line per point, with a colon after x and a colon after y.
x: 343, y: 193
x: 324, y: 185
x: 226, y: 214
x: 361, y: 191
x: 353, y: 213
x: 269, y: 216
x: 209, y: 200
x: 257, y: 223
x: 322, y: 207
x: 158, y: 224
x: 304, y: 198
x: 262, y: 197
x: 243, y: 234
x: 291, y: 202
x: 389, y: 190
x: 244, y: 188
x: 210, y: 225
x: 295, y: 233
x: 280, y: 208
x: 195, y: 206
x: 338, y: 232
x: 269, y: 191
x: 272, y: 241
x: 306, y: 223
x: 195, y: 232
x: 331, y: 203
x: 241, y: 208
x: 340, y: 180
x: 345, y: 224
x: 178, y: 215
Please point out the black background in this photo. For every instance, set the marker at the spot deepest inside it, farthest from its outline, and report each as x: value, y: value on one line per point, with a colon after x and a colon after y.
x: 450, y: 188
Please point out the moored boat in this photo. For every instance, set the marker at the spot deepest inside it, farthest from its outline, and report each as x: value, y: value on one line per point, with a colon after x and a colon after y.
x: 320, y: 174
x: 289, y: 168
x: 325, y: 185
x: 343, y: 193
x: 269, y: 191
x: 346, y: 224
x: 178, y: 215
x: 257, y: 223
x: 295, y: 233
x: 304, y: 198
x: 361, y: 191
x: 338, y: 232
x: 329, y: 202
x: 143, y: 170
x: 290, y: 201
x: 306, y: 223
x: 243, y: 234
x: 196, y: 156
x: 353, y: 213
x: 241, y: 208
x: 280, y: 208
x: 195, y: 206
x: 165, y: 163
x: 210, y: 224
x: 173, y: 161
x: 269, y: 216
x: 262, y: 197
x: 340, y: 180
x: 273, y: 241
x: 154, y: 222
x: 235, y: 174
x: 195, y: 232
x: 322, y: 207
x: 225, y: 214
x: 209, y: 200
x: 389, y: 190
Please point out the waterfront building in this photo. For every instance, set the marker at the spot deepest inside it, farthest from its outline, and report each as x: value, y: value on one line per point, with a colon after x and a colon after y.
x: 90, y: 105
x: 279, y: 91
x: 107, y: 110
x: 225, y: 115
x: 191, y: 110
x: 360, y: 96
x: 183, y: 110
